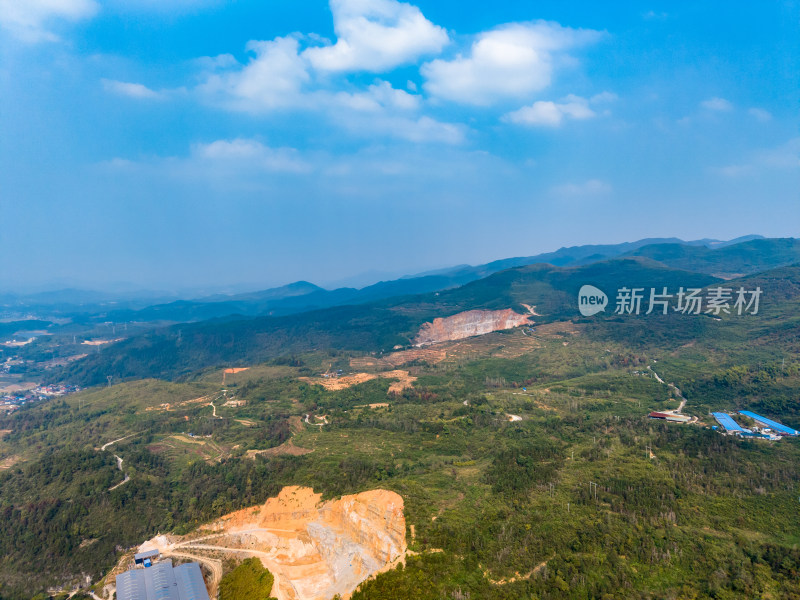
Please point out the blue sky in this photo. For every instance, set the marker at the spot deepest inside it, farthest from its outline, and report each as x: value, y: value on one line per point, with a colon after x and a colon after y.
x: 208, y: 143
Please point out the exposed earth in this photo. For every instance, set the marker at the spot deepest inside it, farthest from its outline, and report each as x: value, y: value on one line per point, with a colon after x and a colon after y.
x: 314, y: 549
x: 339, y: 383
x: 467, y: 324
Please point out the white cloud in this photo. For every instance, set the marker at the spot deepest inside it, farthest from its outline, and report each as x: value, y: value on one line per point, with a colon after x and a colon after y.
x: 132, y: 90
x: 278, y: 77
x: 171, y: 7
x: 378, y: 96
x: 512, y: 61
x: 220, y: 160
x: 604, y: 97
x: 412, y: 129
x: 551, y: 114
x: 592, y: 187
x: 240, y: 153
x: 29, y: 20
x: 733, y: 170
x: 784, y: 157
x: 760, y: 114
x: 272, y: 79
x: 717, y: 104
x: 376, y: 35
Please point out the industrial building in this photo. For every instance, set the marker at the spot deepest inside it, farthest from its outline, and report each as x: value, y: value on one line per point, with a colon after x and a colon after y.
x: 767, y: 431
x: 778, y: 428
x: 161, y: 581
x: 668, y: 416
x: 727, y: 422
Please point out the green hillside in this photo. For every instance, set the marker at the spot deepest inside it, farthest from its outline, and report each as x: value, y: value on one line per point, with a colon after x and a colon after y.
x: 730, y: 261
x: 377, y: 327
x: 499, y: 509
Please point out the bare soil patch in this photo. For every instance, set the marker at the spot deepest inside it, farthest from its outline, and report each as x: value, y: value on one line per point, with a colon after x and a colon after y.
x: 405, y: 380
x: 314, y: 549
x: 286, y: 449
x: 10, y: 461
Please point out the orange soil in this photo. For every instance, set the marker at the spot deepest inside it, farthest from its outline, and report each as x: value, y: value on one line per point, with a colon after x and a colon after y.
x: 286, y: 449
x: 341, y: 383
x: 314, y: 549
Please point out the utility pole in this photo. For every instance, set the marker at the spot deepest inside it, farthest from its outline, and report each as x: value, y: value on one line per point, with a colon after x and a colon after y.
x: 592, y: 483
x: 109, y: 377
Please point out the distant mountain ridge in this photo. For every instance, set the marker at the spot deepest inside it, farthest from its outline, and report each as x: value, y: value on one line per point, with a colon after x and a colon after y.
x: 727, y: 259
x: 303, y: 296
x: 378, y: 326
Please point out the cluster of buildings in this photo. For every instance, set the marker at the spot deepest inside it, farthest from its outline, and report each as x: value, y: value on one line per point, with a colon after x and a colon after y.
x: 151, y: 579
x: 764, y: 428
x: 12, y: 398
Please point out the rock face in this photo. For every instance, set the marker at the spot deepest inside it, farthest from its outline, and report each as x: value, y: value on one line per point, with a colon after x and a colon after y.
x: 467, y: 324
x: 319, y: 549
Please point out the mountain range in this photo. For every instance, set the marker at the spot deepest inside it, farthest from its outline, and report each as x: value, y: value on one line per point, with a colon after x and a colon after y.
x: 376, y: 319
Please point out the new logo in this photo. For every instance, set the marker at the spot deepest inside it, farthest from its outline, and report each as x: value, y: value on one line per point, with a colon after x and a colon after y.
x: 591, y: 300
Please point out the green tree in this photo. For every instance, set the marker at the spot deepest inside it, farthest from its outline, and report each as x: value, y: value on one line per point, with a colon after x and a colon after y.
x: 248, y: 581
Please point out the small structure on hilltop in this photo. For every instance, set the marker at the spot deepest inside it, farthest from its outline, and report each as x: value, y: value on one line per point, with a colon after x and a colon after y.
x: 145, y: 558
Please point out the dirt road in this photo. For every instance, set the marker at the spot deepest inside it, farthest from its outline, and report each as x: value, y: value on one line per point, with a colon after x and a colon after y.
x: 125, y: 480
x: 106, y: 445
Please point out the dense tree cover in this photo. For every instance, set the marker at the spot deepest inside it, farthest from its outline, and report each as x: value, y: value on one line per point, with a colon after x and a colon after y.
x: 567, y: 503
x: 708, y: 517
x: 250, y: 580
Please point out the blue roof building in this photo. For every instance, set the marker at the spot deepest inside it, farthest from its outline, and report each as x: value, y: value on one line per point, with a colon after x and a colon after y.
x: 774, y: 425
x: 729, y: 424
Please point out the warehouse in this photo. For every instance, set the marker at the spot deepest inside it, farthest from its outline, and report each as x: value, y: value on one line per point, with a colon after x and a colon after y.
x: 162, y: 581
x: 668, y: 416
x: 779, y: 428
x: 729, y: 424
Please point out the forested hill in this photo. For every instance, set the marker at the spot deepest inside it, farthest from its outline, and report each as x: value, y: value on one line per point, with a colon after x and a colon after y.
x: 734, y: 260
x: 179, y: 350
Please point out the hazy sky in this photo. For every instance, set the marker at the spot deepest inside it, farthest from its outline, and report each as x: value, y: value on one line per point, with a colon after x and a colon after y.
x: 179, y: 143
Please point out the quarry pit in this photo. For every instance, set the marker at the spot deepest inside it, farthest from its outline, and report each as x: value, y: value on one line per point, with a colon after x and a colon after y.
x: 314, y: 549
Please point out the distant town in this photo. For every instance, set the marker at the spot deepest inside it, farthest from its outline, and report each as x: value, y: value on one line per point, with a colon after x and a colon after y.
x: 11, y: 399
